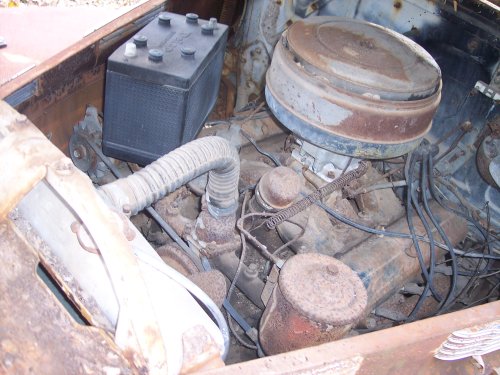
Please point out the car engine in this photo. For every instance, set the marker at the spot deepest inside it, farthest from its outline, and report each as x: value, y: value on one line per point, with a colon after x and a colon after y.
x: 350, y: 185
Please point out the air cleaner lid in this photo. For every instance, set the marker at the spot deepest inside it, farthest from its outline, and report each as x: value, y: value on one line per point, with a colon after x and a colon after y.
x: 364, y: 58
x: 323, y: 289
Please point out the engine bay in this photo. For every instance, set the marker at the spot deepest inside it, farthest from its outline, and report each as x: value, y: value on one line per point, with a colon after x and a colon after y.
x: 341, y: 178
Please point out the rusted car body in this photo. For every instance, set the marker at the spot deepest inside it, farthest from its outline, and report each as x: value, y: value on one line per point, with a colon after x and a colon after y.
x: 38, y: 114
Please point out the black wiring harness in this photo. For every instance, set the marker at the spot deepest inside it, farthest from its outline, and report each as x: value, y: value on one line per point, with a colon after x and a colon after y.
x: 421, y: 187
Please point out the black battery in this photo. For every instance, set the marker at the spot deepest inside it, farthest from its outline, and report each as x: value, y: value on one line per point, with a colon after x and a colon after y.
x: 161, y: 85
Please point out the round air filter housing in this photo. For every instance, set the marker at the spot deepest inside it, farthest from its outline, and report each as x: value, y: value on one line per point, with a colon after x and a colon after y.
x: 353, y: 87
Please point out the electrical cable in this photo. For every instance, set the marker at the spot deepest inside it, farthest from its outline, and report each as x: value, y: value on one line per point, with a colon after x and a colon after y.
x: 235, y: 279
x: 476, y: 274
x: 231, y: 311
x: 451, y: 293
x: 381, y: 178
x: 490, y: 274
x: 278, y: 251
x: 171, y: 232
x: 438, y: 199
x: 373, y: 187
x: 379, y: 232
x: 263, y: 249
x: 348, y: 164
x: 233, y: 314
x: 452, y: 146
x: 409, y: 171
x: 470, y: 283
x: 259, y: 150
x: 432, y: 255
x: 484, y: 233
x: 488, y: 296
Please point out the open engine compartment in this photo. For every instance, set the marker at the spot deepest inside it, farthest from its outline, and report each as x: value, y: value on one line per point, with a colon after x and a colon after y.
x: 346, y: 181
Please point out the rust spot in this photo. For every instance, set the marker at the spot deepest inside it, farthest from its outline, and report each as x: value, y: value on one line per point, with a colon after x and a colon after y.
x: 200, y: 352
x: 346, y: 46
x: 279, y: 187
x: 311, y: 304
x: 218, y: 230
x: 173, y: 255
x: 213, y: 283
x: 376, y: 127
x: 38, y: 335
x: 398, y: 4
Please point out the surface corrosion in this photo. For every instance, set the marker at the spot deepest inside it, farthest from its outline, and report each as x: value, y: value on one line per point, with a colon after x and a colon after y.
x: 406, y: 349
x: 37, y: 334
x: 74, y: 78
x: 279, y: 187
x: 31, y: 158
x: 349, y: 46
x: 393, y: 261
x: 317, y: 300
x: 330, y: 77
x: 361, y: 117
x: 99, y: 42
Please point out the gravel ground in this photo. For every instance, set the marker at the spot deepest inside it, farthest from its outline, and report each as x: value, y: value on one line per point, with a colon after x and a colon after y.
x: 68, y: 3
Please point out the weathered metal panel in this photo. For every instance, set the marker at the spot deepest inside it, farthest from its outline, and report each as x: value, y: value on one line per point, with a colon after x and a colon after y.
x: 406, y: 349
x: 37, y: 334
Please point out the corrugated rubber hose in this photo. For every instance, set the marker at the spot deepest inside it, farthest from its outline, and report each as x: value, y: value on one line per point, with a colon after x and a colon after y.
x: 209, y: 154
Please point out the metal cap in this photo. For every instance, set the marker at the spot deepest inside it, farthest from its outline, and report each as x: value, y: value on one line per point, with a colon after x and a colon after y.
x: 279, y: 187
x: 155, y: 55
x: 207, y: 29
x: 164, y: 19
x: 140, y: 40
x: 364, y: 58
x: 323, y: 289
x: 192, y: 18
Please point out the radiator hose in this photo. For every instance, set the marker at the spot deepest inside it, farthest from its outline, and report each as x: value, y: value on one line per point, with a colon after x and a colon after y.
x: 209, y: 154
